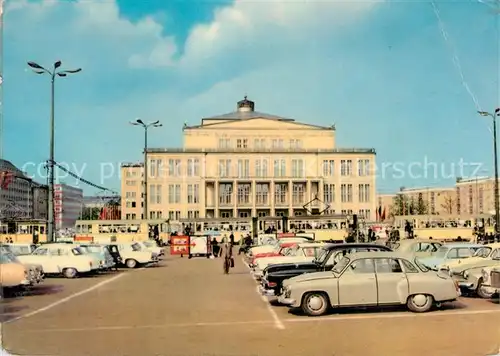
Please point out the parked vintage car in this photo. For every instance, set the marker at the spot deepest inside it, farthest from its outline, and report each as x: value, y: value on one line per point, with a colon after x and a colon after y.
x: 274, y: 245
x: 418, y: 247
x: 482, y: 258
x: 370, y: 279
x: 102, y: 253
x: 153, y: 246
x: 57, y: 258
x: 304, y: 252
x: 35, y: 271
x: 12, y: 274
x: 133, y: 255
x: 281, y: 250
x: 274, y: 275
x: 450, y: 253
x: 21, y: 249
x: 491, y: 281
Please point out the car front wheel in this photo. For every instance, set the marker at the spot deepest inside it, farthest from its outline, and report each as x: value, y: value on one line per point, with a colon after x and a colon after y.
x: 419, y: 303
x: 70, y: 272
x: 315, y: 304
x: 131, y: 263
x: 481, y: 292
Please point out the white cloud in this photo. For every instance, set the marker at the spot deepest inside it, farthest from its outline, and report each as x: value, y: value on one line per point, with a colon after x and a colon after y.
x: 143, y: 44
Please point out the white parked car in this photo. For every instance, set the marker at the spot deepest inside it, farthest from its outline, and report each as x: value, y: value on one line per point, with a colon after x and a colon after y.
x: 304, y: 252
x: 134, y: 255
x: 67, y: 259
x: 152, y: 246
x: 274, y: 245
x: 100, y: 252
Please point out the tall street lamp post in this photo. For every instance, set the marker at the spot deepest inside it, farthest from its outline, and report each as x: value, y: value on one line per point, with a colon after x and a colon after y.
x: 56, y: 71
x: 145, y: 126
x: 497, y: 202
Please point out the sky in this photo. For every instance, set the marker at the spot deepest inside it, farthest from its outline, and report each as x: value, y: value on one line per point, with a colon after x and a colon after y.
x: 388, y: 74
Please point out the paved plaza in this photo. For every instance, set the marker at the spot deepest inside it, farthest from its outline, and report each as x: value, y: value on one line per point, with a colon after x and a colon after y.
x: 189, y: 307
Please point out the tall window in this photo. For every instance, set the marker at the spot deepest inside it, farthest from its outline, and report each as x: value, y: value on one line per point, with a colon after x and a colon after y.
x: 364, y: 193
x: 193, y: 195
x: 363, y: 167
x: 262, y: 194
x: 280, y: 193
x: 329, y: 193
x: 174, y: 167
x: 224, y: 168
x: 242, y: 143
x: 277, y: 143
x: 279, y: 168
x: 225, y: 194
x: 298, y: 193
x: 295, y: 144
x: 328, y: 168
x: 243, y: 168
x: 346, y: 193
x: 261, y: 168
x: 244, y: 193
x: 346, y: 167
x: 152, y: 194
x: 174, y: 193
x: 193, y: 167
x: 224, y: 143
x: 259, y: 143
x: 155, y: 168
x: 297, y: 168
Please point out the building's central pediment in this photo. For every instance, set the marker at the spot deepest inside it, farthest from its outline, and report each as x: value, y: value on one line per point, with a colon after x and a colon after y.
x: 256, y: 122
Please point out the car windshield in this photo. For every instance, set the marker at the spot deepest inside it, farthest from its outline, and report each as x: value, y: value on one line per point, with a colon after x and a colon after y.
x: 136, y: 247
x: 4, y: 258
x: 441, y: 252
x: 20, y: 250
x: 10, y: 256
x: 93, y: 249
x: 339, y: 267
x: 77, y: 251
x: 85, y: 249
x: 422, y: 267
x: 483, y: 252
x: 292, y: 251
x: 322, y: 255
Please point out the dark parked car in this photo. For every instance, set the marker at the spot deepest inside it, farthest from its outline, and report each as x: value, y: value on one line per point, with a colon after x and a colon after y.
x: 274, y: 275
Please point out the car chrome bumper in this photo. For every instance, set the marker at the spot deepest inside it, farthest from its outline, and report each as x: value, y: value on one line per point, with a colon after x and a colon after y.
x: 466, y: 285
x: 266, y: 292
x: 489, y: 289
x: 286, y: 301
x: 26, y: 282
x: 258, y: 275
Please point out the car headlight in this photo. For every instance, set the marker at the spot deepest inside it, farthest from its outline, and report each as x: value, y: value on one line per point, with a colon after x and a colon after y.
x: 485, y: 275
x: 466, y: 274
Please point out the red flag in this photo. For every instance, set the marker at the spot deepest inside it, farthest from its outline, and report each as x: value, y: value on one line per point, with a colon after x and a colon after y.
x: 383, y: 215
x: 5, y: 179
x: 102, y: 215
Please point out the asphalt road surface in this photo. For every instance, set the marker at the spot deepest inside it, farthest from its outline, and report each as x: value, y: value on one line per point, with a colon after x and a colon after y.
x: 188, y: 307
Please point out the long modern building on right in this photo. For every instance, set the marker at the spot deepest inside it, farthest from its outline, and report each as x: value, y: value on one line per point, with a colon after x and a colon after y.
x: 475, y: 196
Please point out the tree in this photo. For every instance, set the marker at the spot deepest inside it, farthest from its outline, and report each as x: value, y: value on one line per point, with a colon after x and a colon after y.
x: 421, y: 207
x: 90, y: 213
x: 404, y: 205
x: 448, y: 204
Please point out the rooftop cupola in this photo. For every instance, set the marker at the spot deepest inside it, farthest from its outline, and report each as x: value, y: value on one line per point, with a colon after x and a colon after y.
x: 246, y: 105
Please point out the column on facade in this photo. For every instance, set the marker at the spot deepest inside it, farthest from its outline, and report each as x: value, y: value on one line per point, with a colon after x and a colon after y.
x: 235, y: 198
x: 254, y: 198
x: 321, y: 194
x: 272, y: 187
x: 308, y: 194
x: 216, y: 200
x: 290, y: 198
